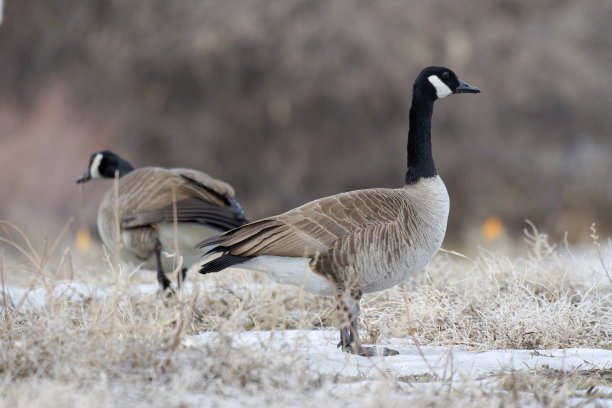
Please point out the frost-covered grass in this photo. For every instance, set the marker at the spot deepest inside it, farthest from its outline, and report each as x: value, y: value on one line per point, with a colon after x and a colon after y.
x: 532, y: 328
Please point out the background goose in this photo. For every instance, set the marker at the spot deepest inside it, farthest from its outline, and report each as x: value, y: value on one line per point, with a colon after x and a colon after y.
x: 204, y: 206
x: 360, y: 241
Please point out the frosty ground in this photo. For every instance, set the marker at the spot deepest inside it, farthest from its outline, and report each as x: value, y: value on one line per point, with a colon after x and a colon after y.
x: 531, y: 328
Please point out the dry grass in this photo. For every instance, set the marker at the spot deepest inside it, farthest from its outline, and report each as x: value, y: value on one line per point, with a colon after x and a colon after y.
x: 543, y: 299
x: 128, y: 348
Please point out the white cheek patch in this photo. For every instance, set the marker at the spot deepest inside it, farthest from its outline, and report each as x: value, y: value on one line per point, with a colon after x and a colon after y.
x: 95, y: 164
x: 442, y: 90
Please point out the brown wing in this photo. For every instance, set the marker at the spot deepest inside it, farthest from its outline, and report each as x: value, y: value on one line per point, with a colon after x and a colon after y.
x: 310, y: 229
x: 198, y: 184
x: 148, y: 195
x: 221, y: 218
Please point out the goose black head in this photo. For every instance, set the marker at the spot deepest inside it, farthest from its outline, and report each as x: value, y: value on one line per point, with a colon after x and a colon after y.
x: 104, y: 164
x: 438, y: 82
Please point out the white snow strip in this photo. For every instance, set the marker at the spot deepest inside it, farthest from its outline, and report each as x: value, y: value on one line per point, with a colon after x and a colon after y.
x: 319, y: 347
x: 41, y: 296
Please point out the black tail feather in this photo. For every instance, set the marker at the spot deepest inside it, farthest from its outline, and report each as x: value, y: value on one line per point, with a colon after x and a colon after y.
x: 223, y: 262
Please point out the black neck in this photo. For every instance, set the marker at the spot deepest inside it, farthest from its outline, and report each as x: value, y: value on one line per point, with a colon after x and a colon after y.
x: 117, y: 164
x: 124, y: 167
x: 123, y: 170
x: 420, y: 159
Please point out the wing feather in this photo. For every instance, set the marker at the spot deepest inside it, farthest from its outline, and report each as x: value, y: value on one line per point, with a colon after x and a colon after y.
x: 146, y: 198
x: 307, y: 230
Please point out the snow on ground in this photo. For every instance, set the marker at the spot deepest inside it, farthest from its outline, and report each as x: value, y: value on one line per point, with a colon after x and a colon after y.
x: 320, y: 345
x: 325, y: 357
x: 424, y: 366
x: 39, y: 296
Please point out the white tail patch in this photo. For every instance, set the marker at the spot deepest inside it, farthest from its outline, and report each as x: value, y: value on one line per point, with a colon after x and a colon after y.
x: 442, y: 90
x: 95, y: 164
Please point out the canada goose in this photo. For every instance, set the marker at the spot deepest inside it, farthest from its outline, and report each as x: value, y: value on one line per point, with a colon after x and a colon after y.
x: 145, y: 208
x: 356, y: 242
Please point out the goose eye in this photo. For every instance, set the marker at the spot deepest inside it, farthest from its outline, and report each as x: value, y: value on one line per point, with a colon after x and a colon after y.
x: 445, y: 75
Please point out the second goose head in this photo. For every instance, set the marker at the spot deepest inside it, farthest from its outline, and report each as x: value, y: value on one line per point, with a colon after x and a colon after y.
x: 104, y: 164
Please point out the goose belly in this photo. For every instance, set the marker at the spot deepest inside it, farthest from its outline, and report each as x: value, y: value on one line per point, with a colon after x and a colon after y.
x: 290, y: 271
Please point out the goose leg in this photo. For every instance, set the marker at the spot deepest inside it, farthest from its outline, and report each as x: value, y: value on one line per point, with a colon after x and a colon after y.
x: 181, y: 276
x: 345, y: 320
x: 161, y: 276
x: 349, y: 333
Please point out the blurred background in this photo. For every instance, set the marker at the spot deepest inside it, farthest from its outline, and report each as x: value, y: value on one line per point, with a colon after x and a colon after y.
x: 292, y: 100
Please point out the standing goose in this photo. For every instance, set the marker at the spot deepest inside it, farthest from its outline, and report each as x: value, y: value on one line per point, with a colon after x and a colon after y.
x: 204, y: 207
x: 360, y: 241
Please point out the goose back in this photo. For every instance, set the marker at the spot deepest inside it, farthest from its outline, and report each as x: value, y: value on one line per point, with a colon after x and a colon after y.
x: 145, y: 208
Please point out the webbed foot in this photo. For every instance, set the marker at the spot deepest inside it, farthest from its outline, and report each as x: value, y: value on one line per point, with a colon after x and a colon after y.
x: 369, y: 351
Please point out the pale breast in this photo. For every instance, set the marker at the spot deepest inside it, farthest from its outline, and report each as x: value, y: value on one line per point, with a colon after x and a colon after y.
x: 387, y: 255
